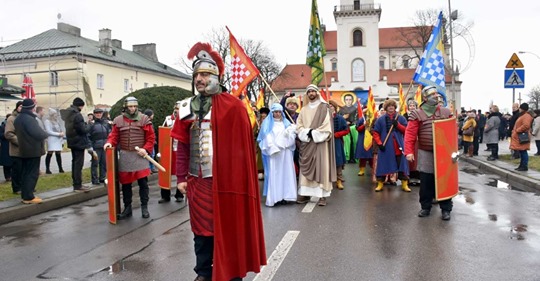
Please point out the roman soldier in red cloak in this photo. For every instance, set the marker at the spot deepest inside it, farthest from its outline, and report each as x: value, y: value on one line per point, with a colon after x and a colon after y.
x: 216, y: 168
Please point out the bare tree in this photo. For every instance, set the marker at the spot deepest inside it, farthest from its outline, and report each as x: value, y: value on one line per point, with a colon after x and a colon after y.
x: 534, y: 97
x: 262, y: 58
x: 416, y: 37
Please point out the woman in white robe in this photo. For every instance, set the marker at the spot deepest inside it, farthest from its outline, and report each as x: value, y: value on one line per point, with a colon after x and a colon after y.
x: 277, y: 141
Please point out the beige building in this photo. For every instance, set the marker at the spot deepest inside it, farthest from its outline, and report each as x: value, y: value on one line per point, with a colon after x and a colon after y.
x: 63, y: 65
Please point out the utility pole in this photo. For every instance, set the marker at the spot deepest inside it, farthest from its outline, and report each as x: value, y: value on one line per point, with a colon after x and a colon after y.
x: 452, y: 88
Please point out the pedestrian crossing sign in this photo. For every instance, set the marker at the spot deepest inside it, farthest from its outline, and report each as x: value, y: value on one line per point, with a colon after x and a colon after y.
x: 514, y: 78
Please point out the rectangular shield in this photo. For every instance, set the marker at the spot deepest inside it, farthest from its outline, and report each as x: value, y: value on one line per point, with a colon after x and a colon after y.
x: 445, y: 144
x: 165, y: 150
x: 113, y: 190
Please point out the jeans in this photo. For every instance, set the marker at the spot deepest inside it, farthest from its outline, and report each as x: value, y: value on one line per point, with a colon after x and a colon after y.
x: 16, y: 174
x: 537, y: 147
x: 524, y: 162
x: 494, y: 147
x: 101, y: 162
x: 29, y: 177
x: 77, y: 163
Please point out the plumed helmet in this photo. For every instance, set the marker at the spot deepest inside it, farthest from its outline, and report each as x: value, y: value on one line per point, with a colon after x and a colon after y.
x: 429, y: 90
x: 206, y: 59
x: 130, y: 101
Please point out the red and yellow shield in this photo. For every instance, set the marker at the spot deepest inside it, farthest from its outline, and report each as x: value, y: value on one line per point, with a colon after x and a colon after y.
x: 113, y: 192
x: 166, y: 159
x: 445, y: 147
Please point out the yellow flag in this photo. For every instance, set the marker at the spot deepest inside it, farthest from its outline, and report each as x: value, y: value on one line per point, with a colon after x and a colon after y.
x: 368, y: 120
x: 402, y: 101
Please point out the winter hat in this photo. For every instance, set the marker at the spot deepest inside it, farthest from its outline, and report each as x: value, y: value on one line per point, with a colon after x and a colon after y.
x: 78, y: 102
x: 148, y: 112
x: 524, y: 106
x: 18, y: 104
x: 28, y: 104
x: 98, y: 110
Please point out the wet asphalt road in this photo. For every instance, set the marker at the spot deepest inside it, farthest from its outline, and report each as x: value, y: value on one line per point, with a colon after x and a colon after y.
x: 494, y: 234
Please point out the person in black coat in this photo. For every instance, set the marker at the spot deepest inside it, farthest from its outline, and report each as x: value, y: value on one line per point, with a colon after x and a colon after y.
x: 5, y: 160
x: 98, y: 132
x: 77, y: 141
x: 31, y: 138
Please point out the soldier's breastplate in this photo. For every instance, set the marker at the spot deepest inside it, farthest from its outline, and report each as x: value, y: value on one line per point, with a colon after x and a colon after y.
x: 200, y: 149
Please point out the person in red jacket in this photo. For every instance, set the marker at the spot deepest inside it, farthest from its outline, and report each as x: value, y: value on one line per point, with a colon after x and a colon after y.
x: 216, y: 168
x: 132, y: 129
x: 420, y: 129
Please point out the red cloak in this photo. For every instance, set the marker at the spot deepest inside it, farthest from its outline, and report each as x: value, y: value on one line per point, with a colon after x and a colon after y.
x: 238, y: 228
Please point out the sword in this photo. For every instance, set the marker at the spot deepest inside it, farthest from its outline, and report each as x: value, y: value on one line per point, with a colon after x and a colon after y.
x: 147, y: 157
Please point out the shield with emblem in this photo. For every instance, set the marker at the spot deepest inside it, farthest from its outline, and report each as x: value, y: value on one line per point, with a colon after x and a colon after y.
x: 165, y: 159
x: 445, y: 149
x: 113, y: 190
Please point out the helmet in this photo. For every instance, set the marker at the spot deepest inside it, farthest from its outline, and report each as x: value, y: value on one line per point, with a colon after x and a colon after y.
x: 429, y: 90
x: 209, y: 61
x: 130, y: 101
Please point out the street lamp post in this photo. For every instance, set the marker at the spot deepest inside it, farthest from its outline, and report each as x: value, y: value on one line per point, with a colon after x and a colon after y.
x: 525, y: 52
x: 453, y: 95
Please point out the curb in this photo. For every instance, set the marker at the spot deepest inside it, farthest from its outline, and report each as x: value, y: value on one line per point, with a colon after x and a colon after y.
x: 56, y: 202
x: 506, y: 175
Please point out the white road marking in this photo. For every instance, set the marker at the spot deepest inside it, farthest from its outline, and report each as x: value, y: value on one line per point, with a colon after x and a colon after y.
x: 277, y: 257
x: 309, y: 207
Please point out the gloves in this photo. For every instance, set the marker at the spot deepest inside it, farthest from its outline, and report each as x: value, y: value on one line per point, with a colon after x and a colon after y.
x: 309, y: 134
x: 382, y: 148
x: 395, y: 123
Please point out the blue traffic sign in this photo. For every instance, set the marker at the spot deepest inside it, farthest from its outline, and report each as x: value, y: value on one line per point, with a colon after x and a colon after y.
x: 514, y: 78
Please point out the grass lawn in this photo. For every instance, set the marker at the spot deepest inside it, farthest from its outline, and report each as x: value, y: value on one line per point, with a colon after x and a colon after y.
x: 534, y: 161
x: 45, y: 183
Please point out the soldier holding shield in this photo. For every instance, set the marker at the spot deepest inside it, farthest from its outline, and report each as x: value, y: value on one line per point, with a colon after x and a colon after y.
x: 420, y: 128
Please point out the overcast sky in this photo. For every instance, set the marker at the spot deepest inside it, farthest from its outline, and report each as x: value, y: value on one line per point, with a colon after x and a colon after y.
x: 499, y: 30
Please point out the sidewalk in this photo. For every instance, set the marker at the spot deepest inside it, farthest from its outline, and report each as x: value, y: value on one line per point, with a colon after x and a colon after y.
x: 13, y: 209
x: 530, y: 179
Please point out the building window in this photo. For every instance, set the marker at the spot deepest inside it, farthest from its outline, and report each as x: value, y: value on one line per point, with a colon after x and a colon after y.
x: 100, y: 82
x: 358, y: 70
x: 406, y: 61
x: 53, y: 79
x: 357, y: 4
x: 357, y: 38
x: 334, y: 64
x: 126, y: 85
x: 146, y: 84
x: 382, y: 59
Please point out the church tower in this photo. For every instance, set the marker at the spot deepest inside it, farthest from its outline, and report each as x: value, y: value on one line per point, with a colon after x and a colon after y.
x: 357, y: 25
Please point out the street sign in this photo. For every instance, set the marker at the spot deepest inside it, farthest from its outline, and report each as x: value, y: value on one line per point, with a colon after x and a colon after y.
x: 514, y: 62
x: 514, y: 78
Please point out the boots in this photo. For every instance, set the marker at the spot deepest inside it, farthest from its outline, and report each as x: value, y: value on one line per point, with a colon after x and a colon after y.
x: 362, y: 171
x: 48, y: 164
x: 59, y: 162
x: 126, y: 213
x: 339, y: 185
x: 405, y: 185
x: 144, y: 210
x: 379, y: 186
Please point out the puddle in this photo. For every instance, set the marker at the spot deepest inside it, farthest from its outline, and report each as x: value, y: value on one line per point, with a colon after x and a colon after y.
x: 499, y: 184
x: 492, y: 217
x: 132, y: 265
x: 472, y: 171
x: 516, y: 232
x: 461, y: 188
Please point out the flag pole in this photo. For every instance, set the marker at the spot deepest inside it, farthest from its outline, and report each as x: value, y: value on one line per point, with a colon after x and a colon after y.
x: 275, y: 96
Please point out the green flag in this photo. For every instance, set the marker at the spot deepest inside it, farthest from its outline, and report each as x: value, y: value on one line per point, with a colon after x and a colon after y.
x: 316, y: 50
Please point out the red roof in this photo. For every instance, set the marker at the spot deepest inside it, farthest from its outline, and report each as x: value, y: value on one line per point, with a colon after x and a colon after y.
x: 403, y: 76
x: 400, y: 37
x: 391, y: 37
x: 330, y: 40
